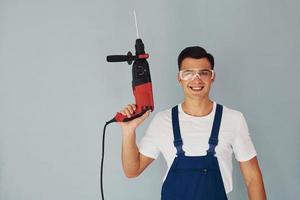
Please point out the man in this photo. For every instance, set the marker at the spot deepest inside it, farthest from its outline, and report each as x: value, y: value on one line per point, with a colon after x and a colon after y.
x: 196, y: 137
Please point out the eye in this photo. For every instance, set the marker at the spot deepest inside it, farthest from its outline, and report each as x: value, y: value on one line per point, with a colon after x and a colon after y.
x: 205, y: 73
x: 187, y: 72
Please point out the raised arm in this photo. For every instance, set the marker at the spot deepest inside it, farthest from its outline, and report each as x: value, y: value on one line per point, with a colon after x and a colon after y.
x: 133, y: 161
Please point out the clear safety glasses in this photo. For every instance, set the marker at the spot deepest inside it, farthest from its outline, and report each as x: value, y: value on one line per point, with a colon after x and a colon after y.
x: 191, y: 74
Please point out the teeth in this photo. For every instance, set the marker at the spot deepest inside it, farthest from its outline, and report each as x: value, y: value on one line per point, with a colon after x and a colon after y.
x: 196, y: 88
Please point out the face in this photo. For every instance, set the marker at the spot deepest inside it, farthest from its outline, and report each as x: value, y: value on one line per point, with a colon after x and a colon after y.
x: 198, y: 88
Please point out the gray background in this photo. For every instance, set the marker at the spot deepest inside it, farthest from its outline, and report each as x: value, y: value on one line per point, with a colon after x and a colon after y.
x: 57, y: 91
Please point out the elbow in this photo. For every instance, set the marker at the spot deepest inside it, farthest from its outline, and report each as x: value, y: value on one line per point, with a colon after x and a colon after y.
x: 131, y: 174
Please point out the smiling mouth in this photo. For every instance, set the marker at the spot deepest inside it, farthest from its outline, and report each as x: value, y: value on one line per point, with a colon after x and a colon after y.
x: 197, y: 89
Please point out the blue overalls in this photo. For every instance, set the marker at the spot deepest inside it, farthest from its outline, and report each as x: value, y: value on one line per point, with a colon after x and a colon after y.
x: 194, y: 177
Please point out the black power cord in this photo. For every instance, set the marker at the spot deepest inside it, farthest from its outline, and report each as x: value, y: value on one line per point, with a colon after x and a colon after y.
x: 102, y: 158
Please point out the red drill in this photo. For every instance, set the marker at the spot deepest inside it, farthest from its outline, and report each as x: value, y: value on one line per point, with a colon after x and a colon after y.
x: 141, y: 80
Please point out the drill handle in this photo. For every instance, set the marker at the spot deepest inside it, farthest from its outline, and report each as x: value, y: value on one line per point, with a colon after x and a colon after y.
x: 121, y: 58
x: 117, y: 58
x: 119, y: 117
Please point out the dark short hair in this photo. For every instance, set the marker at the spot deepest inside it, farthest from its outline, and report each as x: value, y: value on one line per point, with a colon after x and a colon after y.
x: 197, y: 53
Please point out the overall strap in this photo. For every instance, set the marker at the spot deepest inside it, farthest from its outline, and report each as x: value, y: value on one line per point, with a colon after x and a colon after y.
x: 176, y: 131
x: 213, y: 140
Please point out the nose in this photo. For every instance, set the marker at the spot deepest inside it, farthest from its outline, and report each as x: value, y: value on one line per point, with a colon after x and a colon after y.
x: 195, y: 76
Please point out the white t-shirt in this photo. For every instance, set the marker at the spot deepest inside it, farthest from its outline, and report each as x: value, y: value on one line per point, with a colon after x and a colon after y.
x: 195, y: 132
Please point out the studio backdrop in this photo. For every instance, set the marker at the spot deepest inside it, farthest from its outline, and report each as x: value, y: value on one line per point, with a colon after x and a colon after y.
x: 57, y: 90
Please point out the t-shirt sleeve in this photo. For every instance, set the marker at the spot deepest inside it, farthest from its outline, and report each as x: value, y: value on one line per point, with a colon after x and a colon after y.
x: 243, y: 147
x: 148, y: 145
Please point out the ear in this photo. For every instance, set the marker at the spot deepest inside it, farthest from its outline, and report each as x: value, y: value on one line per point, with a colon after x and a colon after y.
x: 213, y: 80
x: 178, y: 79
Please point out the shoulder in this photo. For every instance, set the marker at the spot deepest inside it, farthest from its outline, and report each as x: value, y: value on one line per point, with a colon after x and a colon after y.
x: 233, y: 119
x: 232, y: 114
x: 161, y: 122
x: 163, y: 115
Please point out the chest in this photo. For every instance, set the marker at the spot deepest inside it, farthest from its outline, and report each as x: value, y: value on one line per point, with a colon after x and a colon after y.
x: 195, y: 136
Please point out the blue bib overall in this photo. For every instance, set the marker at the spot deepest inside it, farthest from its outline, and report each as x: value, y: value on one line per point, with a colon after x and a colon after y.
x: 194, y: 177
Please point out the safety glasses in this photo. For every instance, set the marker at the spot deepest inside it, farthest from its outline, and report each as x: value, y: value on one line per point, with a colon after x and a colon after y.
x: 191, y: 74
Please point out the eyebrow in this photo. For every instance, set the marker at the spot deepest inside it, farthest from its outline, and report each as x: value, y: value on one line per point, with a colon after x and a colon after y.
x: 194, y: 69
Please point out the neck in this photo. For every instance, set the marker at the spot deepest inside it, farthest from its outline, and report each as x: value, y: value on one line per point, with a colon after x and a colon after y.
x: 198, y: 108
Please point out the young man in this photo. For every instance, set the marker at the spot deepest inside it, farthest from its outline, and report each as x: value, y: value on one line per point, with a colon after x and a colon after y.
x: 196, y: 137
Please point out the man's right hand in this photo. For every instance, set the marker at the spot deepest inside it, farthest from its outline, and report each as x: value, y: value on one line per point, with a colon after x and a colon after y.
x: 133, y: 161
x: 133, y: 124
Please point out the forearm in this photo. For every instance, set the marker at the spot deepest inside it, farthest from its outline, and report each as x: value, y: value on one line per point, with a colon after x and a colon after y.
x: 130, y: 154
x: 256, y: 190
